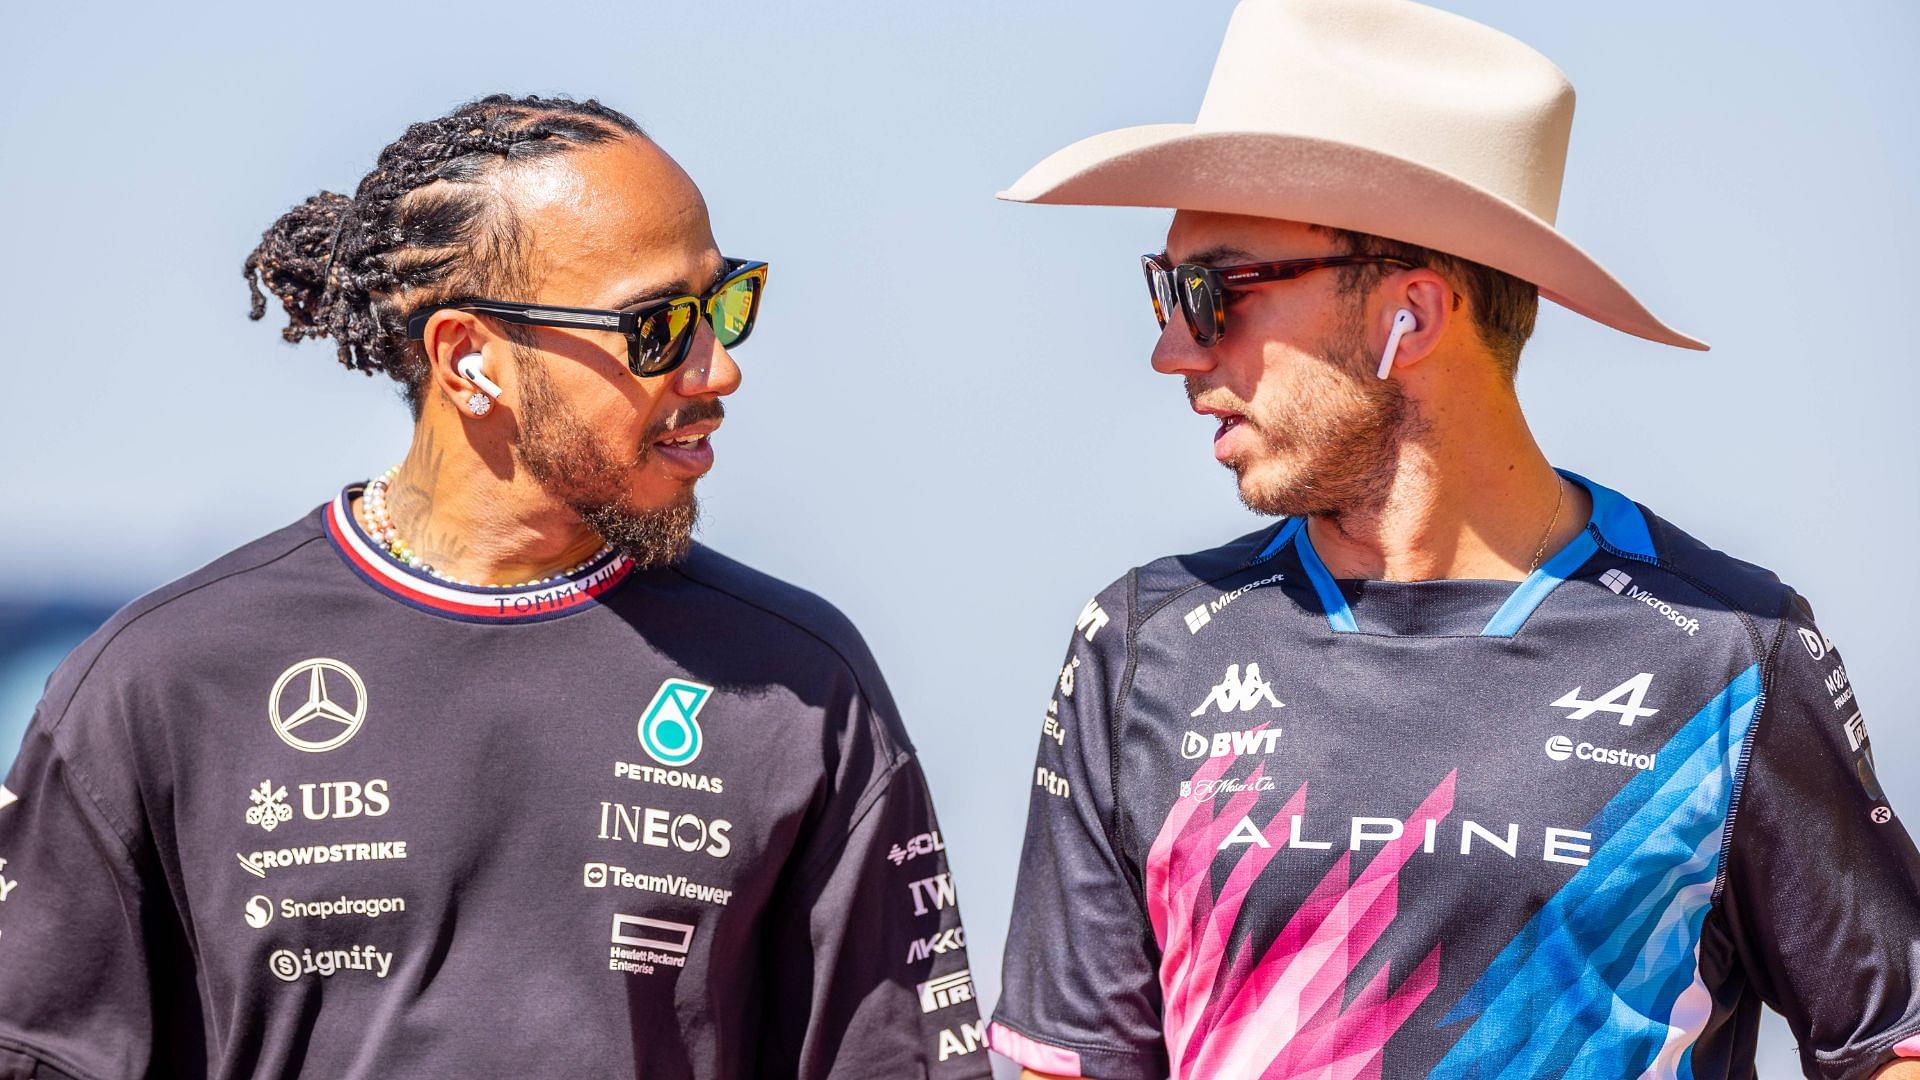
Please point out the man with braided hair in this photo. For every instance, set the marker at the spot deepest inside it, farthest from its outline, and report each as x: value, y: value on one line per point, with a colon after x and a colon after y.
x: 483, y: 767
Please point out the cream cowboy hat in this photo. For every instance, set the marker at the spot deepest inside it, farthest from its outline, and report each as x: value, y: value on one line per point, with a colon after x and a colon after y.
x: 1380, y: 116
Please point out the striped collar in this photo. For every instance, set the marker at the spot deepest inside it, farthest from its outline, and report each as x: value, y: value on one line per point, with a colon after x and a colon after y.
x: 1616, y: 520
x: 470, y: 603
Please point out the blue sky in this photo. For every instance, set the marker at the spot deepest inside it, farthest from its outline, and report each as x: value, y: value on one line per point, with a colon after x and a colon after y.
x: 948, y: 426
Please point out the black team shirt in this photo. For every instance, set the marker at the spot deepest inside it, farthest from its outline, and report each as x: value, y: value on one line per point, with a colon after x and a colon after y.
x: 309, y: 812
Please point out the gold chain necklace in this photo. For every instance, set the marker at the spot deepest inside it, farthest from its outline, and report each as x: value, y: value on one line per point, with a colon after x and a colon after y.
x: 1559, y: 494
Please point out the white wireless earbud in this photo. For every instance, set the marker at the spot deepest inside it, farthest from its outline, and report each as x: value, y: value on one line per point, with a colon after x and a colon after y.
x: 1403, y: 321
x: 469, y: 366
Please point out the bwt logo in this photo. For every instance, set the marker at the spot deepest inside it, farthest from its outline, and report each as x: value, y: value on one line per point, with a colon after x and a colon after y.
x: 1260, y: 740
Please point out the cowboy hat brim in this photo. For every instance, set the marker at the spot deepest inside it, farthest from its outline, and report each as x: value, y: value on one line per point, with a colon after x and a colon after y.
x: 1325, y: 182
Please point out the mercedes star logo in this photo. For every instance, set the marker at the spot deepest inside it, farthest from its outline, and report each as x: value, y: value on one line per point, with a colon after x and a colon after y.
x: 318, y: 720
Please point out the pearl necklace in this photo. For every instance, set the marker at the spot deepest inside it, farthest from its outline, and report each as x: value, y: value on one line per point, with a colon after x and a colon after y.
x: 379, y: 526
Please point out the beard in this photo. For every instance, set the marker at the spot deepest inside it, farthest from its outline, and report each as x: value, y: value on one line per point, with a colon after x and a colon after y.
x: 571, y: 462
x: 1331, y: 449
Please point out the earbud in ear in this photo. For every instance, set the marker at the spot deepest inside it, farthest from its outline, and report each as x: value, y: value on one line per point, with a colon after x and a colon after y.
x: 1403, y: 321
x: 469, y: 367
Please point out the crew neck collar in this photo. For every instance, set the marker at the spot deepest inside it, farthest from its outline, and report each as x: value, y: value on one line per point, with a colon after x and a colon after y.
x: 1615, y: 523
x: 566, y: 595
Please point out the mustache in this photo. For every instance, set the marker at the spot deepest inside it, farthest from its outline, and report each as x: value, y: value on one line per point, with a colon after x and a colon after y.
x: 1222, y: 399
x: 685, y: 416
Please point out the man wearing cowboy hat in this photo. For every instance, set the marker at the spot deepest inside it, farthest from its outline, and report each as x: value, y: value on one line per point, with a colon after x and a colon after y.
x: 1468, y: 765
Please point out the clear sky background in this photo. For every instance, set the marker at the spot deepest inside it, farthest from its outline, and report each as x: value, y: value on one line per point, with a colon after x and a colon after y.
x: 948, y: 426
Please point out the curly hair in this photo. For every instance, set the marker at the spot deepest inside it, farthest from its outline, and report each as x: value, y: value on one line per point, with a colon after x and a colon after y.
x: 421, y: 228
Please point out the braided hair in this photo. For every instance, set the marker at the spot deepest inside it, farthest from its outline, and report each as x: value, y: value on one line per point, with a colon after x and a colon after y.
x: 421, y: 228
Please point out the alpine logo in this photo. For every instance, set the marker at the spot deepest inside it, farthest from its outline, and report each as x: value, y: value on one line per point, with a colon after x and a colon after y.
x: 1240, y: 693
x: 1260, y: 740
x: 1634, y: 690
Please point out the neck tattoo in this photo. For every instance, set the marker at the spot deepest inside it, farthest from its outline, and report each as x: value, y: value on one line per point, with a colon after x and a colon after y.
x: 1559, y: 494
x: 378, y: 521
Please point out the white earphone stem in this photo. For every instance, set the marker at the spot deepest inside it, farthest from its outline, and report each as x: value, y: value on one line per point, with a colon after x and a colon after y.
x: 469, y: 366
x: 1403, y: 321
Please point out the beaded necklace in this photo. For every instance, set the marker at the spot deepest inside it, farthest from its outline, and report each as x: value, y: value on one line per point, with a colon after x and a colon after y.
x: 379, y: 525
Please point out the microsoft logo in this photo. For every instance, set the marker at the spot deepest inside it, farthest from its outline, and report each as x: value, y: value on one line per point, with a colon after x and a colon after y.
x: 1617, y: 580
x: 1198, y: 618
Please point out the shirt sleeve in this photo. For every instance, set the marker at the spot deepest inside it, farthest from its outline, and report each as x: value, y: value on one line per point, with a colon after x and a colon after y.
x: 1081, y: 995
x: 868, y: 959
x: 1823, y: 882
x: 75, y: 993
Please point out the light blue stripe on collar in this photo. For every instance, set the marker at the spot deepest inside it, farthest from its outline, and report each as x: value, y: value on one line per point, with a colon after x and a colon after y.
x: 1332, y: 601
x: 1280, y: 538
x: 1620, y: 522
x: 1614, y: 517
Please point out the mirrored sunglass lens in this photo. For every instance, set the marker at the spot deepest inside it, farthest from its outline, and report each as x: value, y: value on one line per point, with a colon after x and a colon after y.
x: 733, y: 309
x: 1196, y: 299
x: 660, y: 335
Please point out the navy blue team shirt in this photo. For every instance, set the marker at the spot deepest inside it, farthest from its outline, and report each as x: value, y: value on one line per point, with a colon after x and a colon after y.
x: 1284, y: 825
x: 307, y: 811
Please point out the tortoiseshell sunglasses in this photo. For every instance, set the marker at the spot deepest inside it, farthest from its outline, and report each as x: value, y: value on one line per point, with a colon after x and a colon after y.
x: 1201, y: 291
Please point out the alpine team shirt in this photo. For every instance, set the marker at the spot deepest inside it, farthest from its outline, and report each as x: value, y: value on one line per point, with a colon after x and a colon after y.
x: 309, y: 812
x: 1288, y: 826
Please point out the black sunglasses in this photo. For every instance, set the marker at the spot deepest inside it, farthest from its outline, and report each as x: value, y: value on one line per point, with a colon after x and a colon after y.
x: 1200, y: 291
x: 659, y: 334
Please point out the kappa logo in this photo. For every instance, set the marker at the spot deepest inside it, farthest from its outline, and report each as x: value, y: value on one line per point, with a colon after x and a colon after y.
x: 7, y: 798
x: 1239, y: 693
x: 7, y: 885
x: 946, y: 991
x: 670, y: 728
x: 334, y: 704
x: 1634, y: 690
x: 1817, y: 643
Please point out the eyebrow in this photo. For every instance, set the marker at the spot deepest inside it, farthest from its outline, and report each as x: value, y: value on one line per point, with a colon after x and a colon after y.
x: 1218, y: 254
x: 671, y: 288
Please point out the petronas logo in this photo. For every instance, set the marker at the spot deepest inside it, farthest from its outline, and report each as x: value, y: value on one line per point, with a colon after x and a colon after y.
x: 670, y: 728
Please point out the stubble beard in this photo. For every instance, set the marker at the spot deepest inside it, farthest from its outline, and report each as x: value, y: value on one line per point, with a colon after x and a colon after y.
x: 565, y: 456
x: 1337, y: 449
